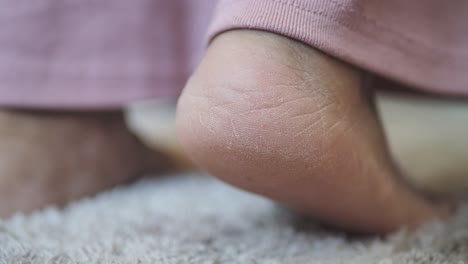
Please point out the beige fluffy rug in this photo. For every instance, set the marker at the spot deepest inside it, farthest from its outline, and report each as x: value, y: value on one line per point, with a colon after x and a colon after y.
x: 192, y: 219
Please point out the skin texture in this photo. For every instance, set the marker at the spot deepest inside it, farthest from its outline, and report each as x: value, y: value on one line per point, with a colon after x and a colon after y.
x: 52, y: 158
x: 278, y: 118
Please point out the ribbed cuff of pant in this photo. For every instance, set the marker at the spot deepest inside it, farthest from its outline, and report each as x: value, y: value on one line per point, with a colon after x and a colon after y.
x: 342, y: 33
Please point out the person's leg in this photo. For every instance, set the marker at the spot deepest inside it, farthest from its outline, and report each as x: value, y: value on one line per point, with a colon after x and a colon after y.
x: 66, y: 58
x: 52, y: 157
x: 279, y: 118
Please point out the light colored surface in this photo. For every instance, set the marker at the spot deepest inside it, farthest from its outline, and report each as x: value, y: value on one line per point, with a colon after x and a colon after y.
x: 153, y: 121
x: 199, y: 220
x: 429, y: 139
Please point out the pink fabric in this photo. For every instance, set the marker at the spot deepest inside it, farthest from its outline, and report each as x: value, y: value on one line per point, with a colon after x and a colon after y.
x: 106, y: 53
x: 97, y: 54
x: 420, y: 43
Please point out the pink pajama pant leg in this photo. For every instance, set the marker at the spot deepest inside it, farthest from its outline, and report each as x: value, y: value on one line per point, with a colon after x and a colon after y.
x: 419, y: 43
x: 90, y: 54
x: 102, y: 54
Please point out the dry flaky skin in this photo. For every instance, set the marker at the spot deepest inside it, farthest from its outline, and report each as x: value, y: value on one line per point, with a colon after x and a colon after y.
x: 426, y: 135
x: 52, y: 158
x: 278, y: 118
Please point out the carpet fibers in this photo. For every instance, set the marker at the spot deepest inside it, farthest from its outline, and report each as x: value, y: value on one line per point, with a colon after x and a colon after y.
x: 195, y: 219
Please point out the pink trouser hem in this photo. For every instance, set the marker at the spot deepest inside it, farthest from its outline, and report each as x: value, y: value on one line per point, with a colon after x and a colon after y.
x: 77, y: 90
x: 325, y: 26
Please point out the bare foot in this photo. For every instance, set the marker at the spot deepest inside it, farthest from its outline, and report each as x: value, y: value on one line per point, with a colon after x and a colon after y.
x: 281, y: 119
x: 52, y: 158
